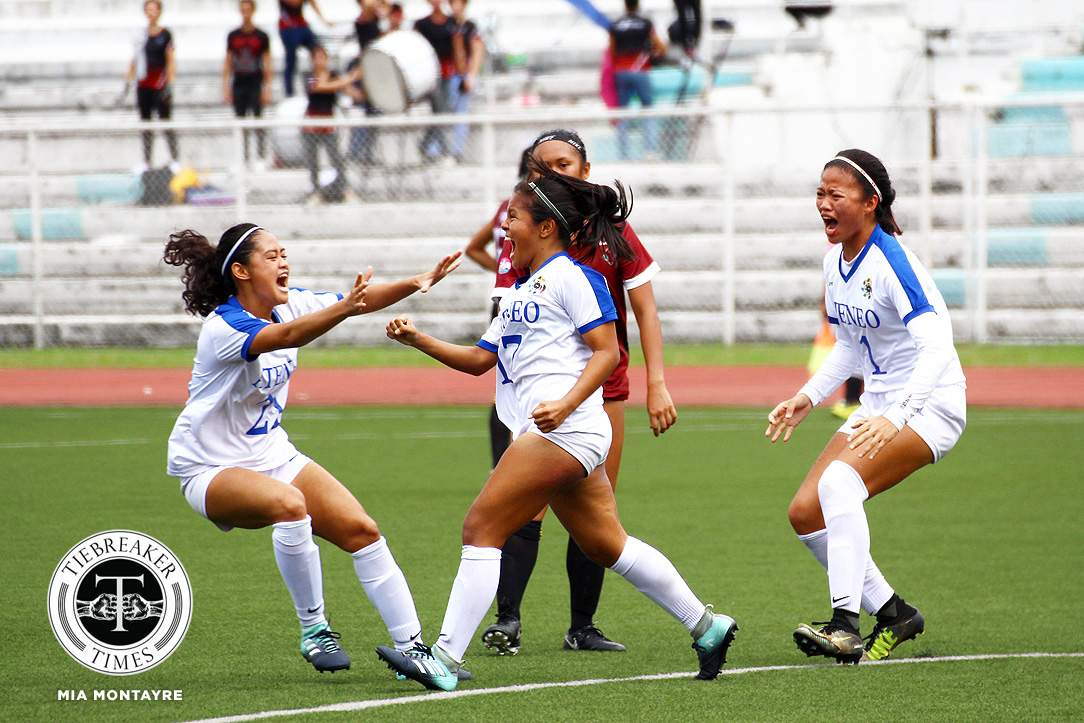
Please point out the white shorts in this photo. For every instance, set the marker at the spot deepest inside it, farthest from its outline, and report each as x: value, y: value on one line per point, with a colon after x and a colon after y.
x: 939, y: 424
x: 588, y: 440
x: 194, y: 488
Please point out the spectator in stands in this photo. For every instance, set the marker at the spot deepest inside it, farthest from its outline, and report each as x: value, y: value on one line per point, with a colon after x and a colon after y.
x: 686, y: 29
x: 363, y: 140
x: 633, y: 43
x: 395, y: 17
x: 153, y: 68
x: 367, y: 26
x: 295, y: 33
x: 438, y: 28
x: 469, y: 52
x: 323, y: 85
x: 246, y: 72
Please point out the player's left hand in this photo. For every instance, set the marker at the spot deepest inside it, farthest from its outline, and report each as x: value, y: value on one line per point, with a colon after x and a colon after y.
x: 548, y: 416
x: 445, y: 266
x: 871, y: 435
x: 661, y: 412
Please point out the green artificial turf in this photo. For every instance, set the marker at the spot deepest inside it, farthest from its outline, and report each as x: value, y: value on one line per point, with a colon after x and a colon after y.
x: 394, y: 356
x: 988, y: 543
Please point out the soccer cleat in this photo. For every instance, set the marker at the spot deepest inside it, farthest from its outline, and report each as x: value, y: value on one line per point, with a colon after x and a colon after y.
x: 591, y: 638
x: 887, y: 636
x: 843, y: 410
x: 320, y: 646
x: 830, y: 640
x: 504, y: 635
x: 462, y: 674
x: 712, y: 646
x: 420, y: 665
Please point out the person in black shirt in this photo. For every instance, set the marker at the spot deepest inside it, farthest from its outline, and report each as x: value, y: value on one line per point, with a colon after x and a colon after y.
x: 367, y: 26
x: 438, y: 29
x: 633, y: 43
x: 323, y: 86
x: 153, y: 68
x: 248, y: 63
x: 469, y: 52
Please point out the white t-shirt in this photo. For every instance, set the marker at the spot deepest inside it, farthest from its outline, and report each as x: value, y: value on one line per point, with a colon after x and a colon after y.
x: 537, y: 337
x: 871, y: 301
x: 233, y: 416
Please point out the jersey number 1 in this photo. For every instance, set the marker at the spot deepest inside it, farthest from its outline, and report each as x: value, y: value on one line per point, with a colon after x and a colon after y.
x: 865, y: 342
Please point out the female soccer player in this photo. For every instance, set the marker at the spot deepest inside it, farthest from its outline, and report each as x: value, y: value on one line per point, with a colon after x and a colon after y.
x: 554, y: 343
x: 236, y: 465
x: 891, y: 322
x: 627, y: 267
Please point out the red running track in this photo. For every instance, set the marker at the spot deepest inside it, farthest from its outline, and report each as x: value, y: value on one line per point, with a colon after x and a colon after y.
x: 1061, y: 387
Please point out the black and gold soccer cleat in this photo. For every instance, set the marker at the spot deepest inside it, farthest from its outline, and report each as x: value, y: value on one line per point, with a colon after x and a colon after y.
x: 830, y: 641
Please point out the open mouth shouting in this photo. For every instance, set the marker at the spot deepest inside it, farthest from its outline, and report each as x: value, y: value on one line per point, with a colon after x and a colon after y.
x: 831, y: 225
x: 282, y: 282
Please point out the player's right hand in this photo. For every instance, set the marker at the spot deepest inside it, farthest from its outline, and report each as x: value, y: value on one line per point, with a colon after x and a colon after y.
x: 402, y: 330
x: 787, y: 415
x: 355, y: 299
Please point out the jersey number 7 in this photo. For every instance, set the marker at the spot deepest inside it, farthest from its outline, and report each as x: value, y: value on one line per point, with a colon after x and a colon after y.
x: 507, y: 341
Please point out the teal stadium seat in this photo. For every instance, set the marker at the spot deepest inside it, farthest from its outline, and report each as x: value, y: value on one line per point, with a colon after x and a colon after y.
x: 109, y: 188
x: 1016, y: 247
x: 56, y: 224
x: 952, y: 285
x: 9, y: 260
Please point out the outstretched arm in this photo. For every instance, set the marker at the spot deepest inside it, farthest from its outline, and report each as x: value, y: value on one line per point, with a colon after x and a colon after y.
x: 470, y: 359
x: 310, y: 327
x: 381, y: 296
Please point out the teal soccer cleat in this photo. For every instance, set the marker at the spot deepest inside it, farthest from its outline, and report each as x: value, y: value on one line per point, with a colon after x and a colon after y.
x: 712, y: 645
x: 420, y: 664
x: 320, y: 646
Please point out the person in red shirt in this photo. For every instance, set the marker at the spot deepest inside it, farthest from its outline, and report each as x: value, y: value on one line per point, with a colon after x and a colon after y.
x: 633, y: 43
x: 628, y: 268
x: 153, y: 68
x: 246, y: 72
x: 295, y: 33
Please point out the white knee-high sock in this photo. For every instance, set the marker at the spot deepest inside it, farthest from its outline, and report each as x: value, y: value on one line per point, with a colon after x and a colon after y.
x: 842, y: 493
x: 387, y: 590
x: 298, y: 559
x: 875, y: 589
x: 655, y: 576
x: 473, y: 591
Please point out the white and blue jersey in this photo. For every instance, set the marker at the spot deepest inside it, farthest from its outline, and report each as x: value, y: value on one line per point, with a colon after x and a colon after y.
x: 233, y: 416
x: 872, y: 300
x: 537, y: 337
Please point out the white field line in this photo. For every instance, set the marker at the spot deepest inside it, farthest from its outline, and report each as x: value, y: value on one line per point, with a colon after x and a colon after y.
x: 429, y: 697
x: 75, y: 443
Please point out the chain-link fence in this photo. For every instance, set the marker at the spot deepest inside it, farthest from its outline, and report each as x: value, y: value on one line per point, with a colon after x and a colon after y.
x: 989, y: 197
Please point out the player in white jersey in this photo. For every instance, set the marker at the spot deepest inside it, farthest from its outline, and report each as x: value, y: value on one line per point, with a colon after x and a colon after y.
x: 890, y: 322
x: 236, y: 464
x: 554, y: 343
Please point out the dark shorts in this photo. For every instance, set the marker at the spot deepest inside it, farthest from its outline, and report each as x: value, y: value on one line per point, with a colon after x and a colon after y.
x: 247, y: 96
x: 152, y: 100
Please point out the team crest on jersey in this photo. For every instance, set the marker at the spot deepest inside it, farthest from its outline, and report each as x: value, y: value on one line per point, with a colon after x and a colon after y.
x: 538, y: 286
x: 867, y: 288
x: 505, y: 267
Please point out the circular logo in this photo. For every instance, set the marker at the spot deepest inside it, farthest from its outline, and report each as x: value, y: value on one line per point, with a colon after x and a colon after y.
x: 119, y: 602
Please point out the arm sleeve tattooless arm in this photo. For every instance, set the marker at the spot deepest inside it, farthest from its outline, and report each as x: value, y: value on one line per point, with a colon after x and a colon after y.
x: 837, y: 368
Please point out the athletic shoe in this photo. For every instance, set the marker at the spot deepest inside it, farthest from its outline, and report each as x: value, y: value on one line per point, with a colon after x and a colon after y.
x: 504, y: 635
x: 461, y: 674
x: 320, y: 646
x: 591, y: 638
x: 421, y: 665
x: 887, y: 636
x: 830, y: 640
x: 712, y: 646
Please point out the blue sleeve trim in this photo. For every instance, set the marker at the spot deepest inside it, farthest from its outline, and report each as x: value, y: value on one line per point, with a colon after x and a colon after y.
x: 339, y: 297
x: 244, y: 322
x: 901, y: 266
x: 604, y: 319
x: 487, y: 346
x: 833, y: 320
x: 919, y: 312
x: 602, y: 293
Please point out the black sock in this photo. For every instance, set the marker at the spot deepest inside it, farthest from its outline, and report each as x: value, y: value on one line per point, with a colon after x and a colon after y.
x: 852, y: 390
x: 518, y: 556
x: 845, y: 619
x: 584, y: 585
x: 499, y: 436
x: 896, y: 607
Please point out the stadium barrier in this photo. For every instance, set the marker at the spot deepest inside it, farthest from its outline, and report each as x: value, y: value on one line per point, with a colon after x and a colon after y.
x: 990, y: 196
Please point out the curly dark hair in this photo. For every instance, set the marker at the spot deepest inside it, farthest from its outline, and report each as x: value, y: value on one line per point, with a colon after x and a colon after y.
x: 205, y: 286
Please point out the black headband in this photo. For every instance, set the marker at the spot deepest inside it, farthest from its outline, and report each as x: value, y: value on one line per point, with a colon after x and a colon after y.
x: 565, y: 136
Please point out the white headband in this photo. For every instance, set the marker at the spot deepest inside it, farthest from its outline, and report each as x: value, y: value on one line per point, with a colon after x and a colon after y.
x: 245, y: 235
x: 860, y: 170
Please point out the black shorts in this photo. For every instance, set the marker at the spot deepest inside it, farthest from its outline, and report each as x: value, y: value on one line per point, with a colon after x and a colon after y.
x: 153, y: 100
x: 247, y: 96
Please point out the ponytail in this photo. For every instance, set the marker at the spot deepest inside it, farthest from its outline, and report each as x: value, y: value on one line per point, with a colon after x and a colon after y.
x: 587, y: 214
x: 872, y: 176
x: 205, y: 285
